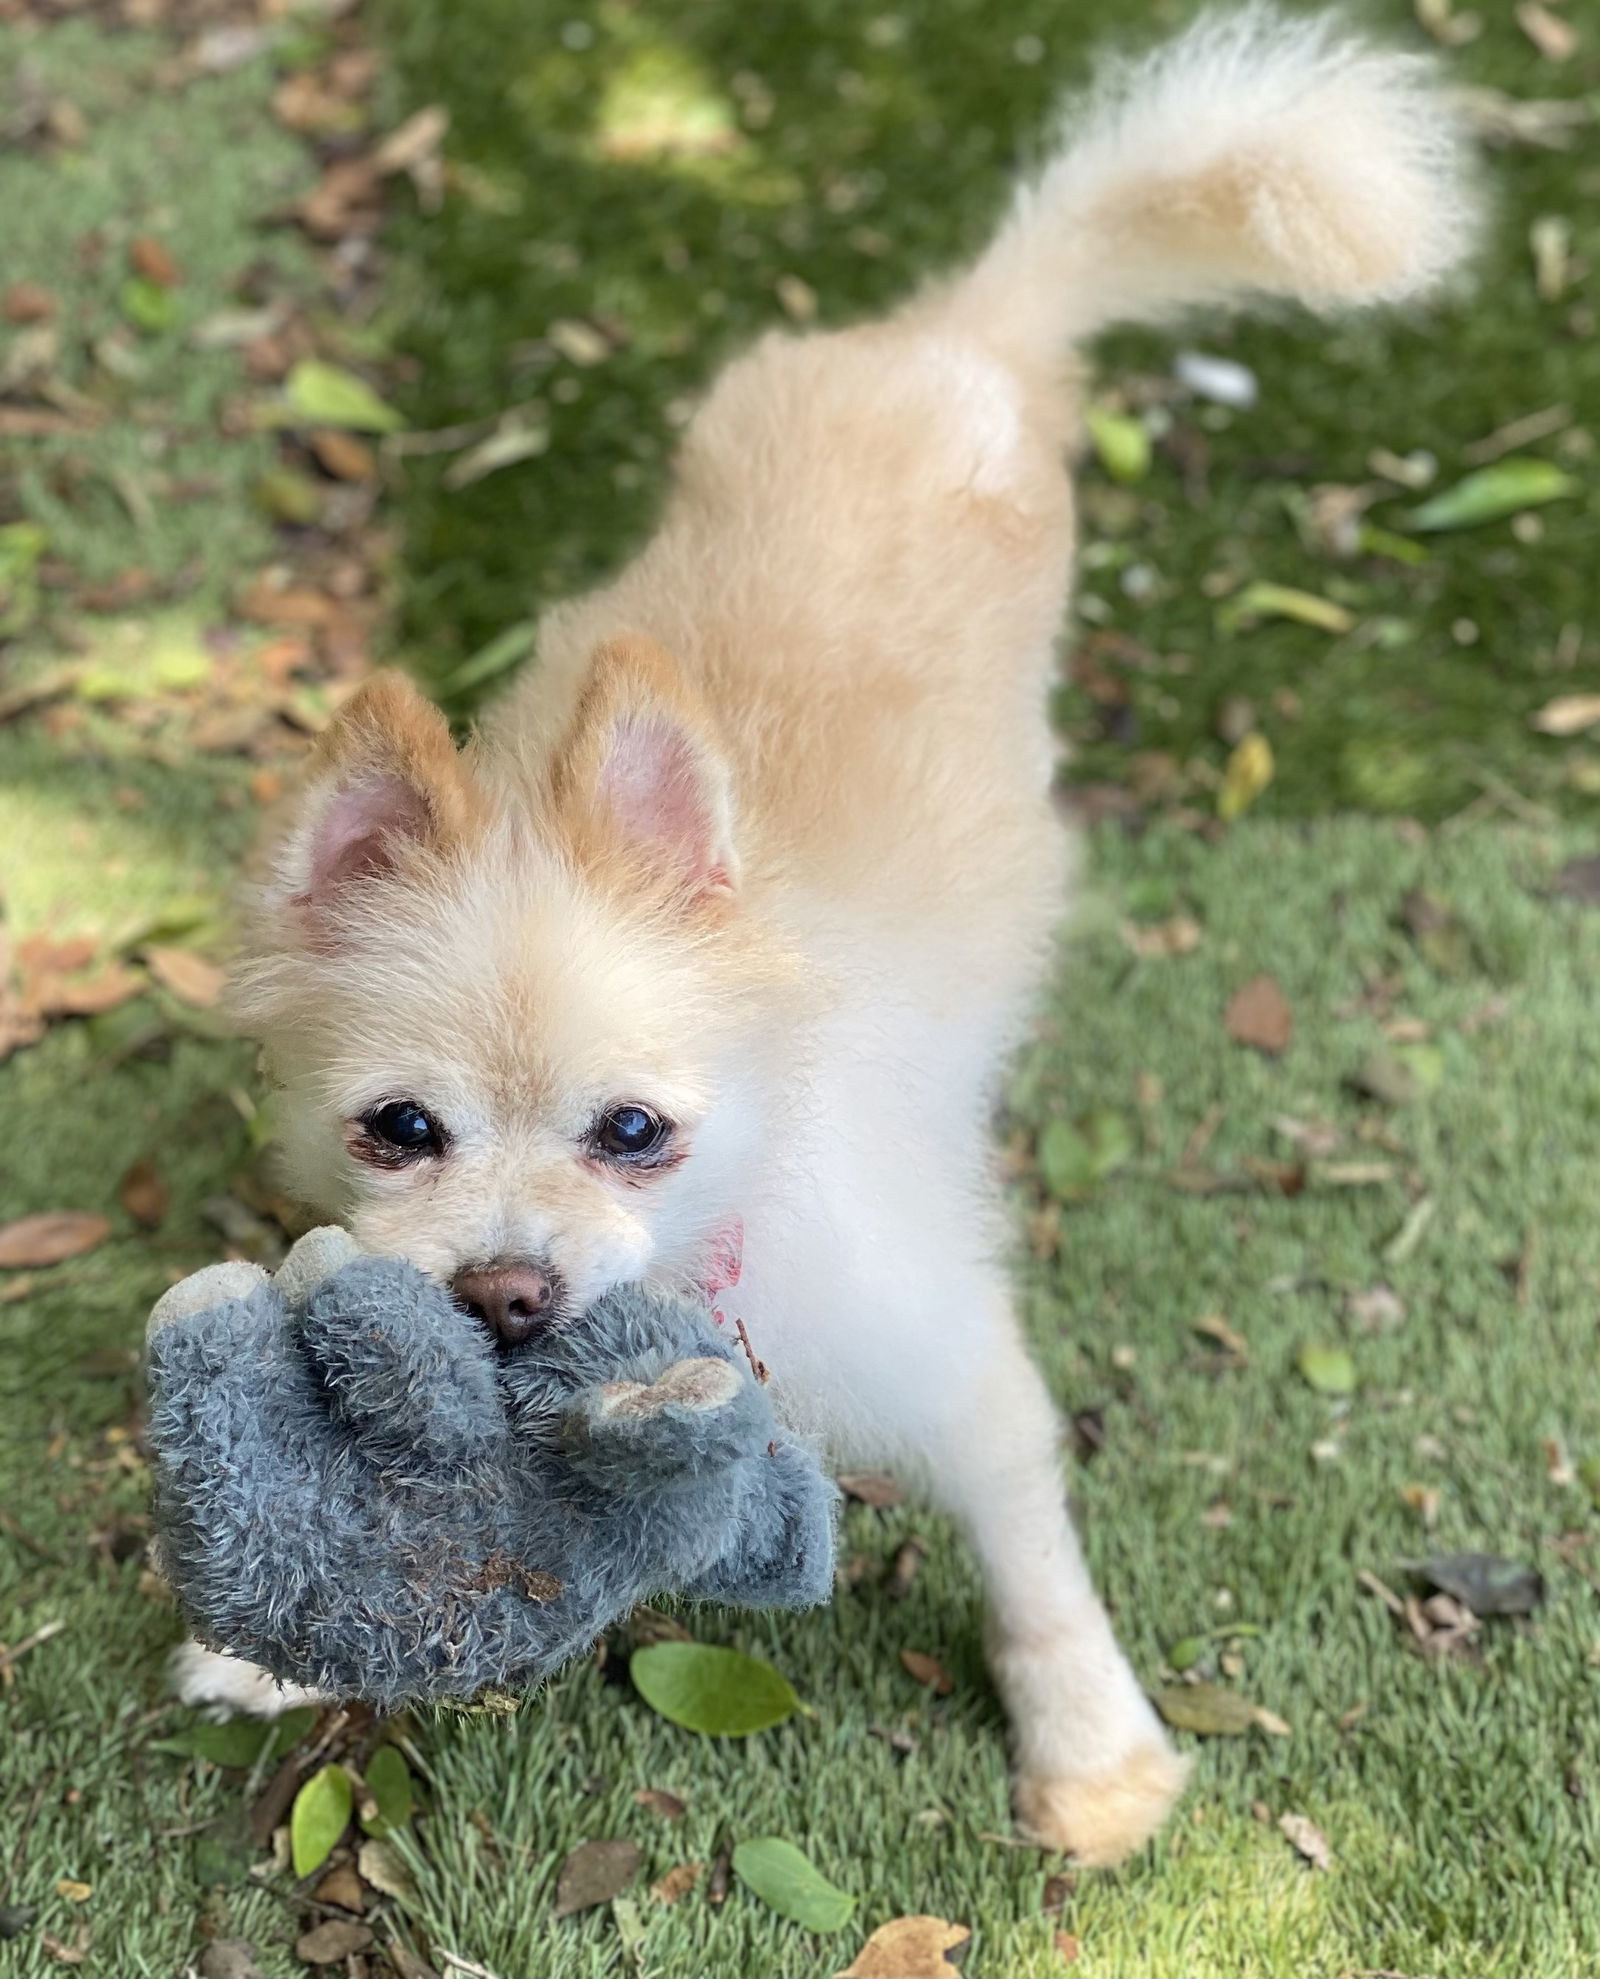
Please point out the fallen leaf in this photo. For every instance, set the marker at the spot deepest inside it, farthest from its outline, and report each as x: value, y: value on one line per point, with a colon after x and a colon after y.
x: 594, y: 1873
x: 677, y: 1882
x: 342, y: 455
x: 1270, y: 1723
x: 928, y: 1670
x: 1379, y: 1310
x: 1207, y: 1709
x: 149, y: 259
x: 1074, y: 1156
x: 342, y: 1888
x: 1386, y: 1078
x: 906, y: 1565
x: 873, y: 1488
x: 789, y: 1883
x: 74, y: 1891
x: 190, y: 977
x: 659, y: 1801
x: 1161, y: 940
x: 578, y: 342
x: 27, y: 302
x: 144, y: 1194
x: 909, y: 1948
x: 388, y: 1800
x: 513, y: 442
x: 381, y: 1865
x: 1307, y: 1838
x: 1485, y: 1583
x: 1567, y: 714
x: 1330, y: 1370
x: 320, y: 394
x: 50, y: 1237
x: 712, y: 1690
x: 1555, y: 38
x: 1121, y: 443
x: 1215, y: 1327
x: 1487, y: 494
x: 320, y: 1816
x: 1261, y: 600
x: 1249, y: 770
x: 1258, y: 1015
x: 332, y: 1943
x: 1068, y: 1947
x: 415, y: 142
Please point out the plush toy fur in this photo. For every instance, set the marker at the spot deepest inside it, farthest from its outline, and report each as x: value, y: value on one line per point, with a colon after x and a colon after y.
x: 356, y: 1491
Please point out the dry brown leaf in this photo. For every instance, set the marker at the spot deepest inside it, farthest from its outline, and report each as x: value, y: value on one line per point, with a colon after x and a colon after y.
x: 928, y: 1670
x: 1555, y: 38
x: 50, y: 1237
x: 1215, y: 1327
x: 1159, y: 941
x: 190, y: 977
x: 594, y: 1873
x: 27, y: 302
x: 332, y: 1943
x: 1067, y: 1947
x: 909, y: 1948
x: 144, y: 1194
x: 1307, y: 1838
x: 343, y: 455
x: 873, y: 1488
x: 154, y: 262
x: 342, y: 1886
x: 659, y: 1801
x: 1258, y: 1015
x: 677, y: 1882
x: 1270, y: 1723
x: 1568, y: 714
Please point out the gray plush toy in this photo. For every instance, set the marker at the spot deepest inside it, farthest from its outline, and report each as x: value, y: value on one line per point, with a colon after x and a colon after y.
x: 355, y: 1490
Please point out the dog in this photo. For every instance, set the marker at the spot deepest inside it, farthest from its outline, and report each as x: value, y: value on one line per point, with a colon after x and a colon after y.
x: 699, y: 964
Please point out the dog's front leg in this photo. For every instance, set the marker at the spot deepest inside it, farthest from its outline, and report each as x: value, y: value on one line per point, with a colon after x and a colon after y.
x: 1094, y: 1772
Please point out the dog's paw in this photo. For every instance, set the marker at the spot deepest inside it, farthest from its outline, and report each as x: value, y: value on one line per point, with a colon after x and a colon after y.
x: 1100, y: 1819
x: 701, y: 1385
x: 229, y: 1687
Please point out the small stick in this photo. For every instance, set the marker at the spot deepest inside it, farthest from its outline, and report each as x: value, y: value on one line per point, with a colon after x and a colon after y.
x: 757, y: 1368
x: 470, y: 1966
x: 9, y: 1657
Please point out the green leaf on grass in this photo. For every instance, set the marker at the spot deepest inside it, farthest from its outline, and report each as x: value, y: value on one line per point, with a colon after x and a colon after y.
x: 147, y: 305
x: 777, y: 1872
x: 706, y: 1689
x: 1205, y: 1708
x: 389, y: 1782
x: 291, y: 1728
x: 320, y: 1816
x: 1122, y: 444
x: 237, y: 1742
x: 1330, y: 1370
x: 1074, y: 1156
x: 1262, y: 600
x: 1510, y: 485
x: 321, y: 394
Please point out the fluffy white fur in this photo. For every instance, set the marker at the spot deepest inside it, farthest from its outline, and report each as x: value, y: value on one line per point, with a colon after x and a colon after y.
x: 764, y: 841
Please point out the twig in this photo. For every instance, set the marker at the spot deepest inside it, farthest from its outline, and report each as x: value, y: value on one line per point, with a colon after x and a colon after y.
x: 9, y: 1657
x: 1386, y: 1595
x: 757, y: 1367
x: 469, y: 1965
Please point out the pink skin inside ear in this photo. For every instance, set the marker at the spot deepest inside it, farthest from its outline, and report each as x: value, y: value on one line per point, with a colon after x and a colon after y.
x: 654, y: 781
x: 357, y: 832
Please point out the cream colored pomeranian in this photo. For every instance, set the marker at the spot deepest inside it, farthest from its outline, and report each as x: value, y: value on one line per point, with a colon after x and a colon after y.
x: 721, y: 929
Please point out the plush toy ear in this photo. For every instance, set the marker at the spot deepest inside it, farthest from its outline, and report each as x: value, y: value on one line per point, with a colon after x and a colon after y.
x: 386, y: 780
x: 640, y: 774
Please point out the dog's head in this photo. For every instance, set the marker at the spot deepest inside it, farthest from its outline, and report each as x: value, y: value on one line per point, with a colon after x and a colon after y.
x: 517, y: 1017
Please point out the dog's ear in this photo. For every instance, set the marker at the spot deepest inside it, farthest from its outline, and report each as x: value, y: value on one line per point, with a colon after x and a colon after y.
x: 385, y: 784
x: 640, y: 776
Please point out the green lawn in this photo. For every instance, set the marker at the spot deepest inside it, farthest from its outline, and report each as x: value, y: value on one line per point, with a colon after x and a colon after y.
x: 654, y: 179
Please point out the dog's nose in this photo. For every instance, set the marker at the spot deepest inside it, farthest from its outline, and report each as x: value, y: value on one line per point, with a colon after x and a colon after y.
x: 512, y: 1296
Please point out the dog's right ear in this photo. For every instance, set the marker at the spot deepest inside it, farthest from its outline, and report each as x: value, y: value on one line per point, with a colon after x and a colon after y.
x: 385, y: 787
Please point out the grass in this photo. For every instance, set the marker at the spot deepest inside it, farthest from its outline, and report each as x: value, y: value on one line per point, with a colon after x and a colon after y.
x: 1458, y: 1796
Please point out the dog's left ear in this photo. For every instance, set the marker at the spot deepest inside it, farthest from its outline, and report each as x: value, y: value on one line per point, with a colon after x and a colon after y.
x: 640, y: 775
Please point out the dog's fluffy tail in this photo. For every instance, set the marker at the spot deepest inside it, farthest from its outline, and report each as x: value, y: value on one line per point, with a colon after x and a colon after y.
x: 1258, y: 154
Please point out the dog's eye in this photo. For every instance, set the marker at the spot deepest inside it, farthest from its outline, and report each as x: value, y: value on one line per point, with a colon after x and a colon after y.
x: 628, y: 1132
x: 402, y: 1127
